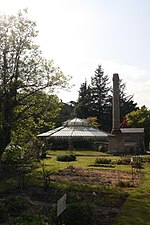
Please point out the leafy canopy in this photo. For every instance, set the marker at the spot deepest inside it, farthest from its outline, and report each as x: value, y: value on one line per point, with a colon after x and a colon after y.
x: 24, y: 72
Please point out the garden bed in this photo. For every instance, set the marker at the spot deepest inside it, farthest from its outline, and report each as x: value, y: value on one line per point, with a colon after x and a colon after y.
x: 104, y: 177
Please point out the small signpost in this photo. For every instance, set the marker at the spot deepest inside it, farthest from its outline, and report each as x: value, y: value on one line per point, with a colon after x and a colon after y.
x: 61, y: 205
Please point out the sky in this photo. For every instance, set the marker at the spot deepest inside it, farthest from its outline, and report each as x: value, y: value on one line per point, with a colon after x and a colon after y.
x: 79, y: 35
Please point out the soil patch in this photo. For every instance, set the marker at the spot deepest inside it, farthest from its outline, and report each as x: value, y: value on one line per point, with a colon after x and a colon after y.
x: 94, y: 176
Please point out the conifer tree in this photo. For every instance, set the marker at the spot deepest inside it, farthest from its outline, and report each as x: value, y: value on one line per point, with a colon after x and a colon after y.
x: 83, y: 108
x: 100, y: 104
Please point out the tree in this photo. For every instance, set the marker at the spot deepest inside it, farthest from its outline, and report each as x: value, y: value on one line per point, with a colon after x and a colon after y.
x: 127, y: 104
x: 95, y: 100
x: 83, y: 105
x: 23, y: 72
x: 140, y: 118
x: 38, y: 118
x: 100, y: 103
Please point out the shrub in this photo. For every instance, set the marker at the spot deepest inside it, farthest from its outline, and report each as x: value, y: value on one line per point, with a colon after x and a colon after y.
x: 73, y: 215
x: 66, y: 158
x: 3, y: 213
x: 12, y: 153
x: 101, y: 149
x: 102, y: 161
x: 124, y: 161
x: 125, y: 184
x: 16, y: 205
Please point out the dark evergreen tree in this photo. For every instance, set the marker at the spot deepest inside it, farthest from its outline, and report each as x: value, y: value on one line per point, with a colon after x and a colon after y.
x: 83, y: 106
x: 127, y: 104
x: 100, y: 103
x: 67, y: 112
x: 95, y: 100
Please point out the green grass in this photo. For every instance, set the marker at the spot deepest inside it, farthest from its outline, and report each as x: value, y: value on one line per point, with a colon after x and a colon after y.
x: 77, y: 153
x: 84, y: 159
x: 136, y: 210
x: 53, y: 165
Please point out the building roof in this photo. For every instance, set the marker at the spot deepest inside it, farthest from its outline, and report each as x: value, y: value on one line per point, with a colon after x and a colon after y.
x: 75, y: 129
x: 132, y: 130
x: 50, y: 132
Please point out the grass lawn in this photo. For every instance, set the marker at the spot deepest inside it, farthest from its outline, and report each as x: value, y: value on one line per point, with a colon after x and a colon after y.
x: 136, y: 210
x: 78, y: 153
x: 84, y: 159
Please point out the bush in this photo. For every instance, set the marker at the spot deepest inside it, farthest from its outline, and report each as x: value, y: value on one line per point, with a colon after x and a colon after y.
x: 124, y: 161
x: 125, y: 184
x: 3, y: 213
x: 101, y: 149
x: 73, y: 215
x: 12, y: 153
x: 102, y: 161
x: 66, y: 158
x: 16, y: 205
x: 30, y: 219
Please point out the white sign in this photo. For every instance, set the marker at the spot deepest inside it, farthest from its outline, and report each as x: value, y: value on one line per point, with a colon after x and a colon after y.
x: 61, y: 204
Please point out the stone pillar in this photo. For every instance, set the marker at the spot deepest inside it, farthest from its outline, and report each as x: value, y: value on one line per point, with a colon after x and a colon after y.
x: 116, y: 107
x: 116, y: 139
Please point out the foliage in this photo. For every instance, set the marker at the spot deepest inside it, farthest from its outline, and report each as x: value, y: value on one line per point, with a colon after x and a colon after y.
x: 74, y: 215
x: 100, y: 97
x: 127, y: 104
x: 66, y: 158
x: 82, y: 107
x: 125, y: 184
x: 66, y: 113
x: 102, y: 161
x: 38, y: 118
x: 30, y: 219
x: 140, y: 118
x: 3, y: 213
x: 19, y: 163
x: 46, y: 176
x: 101, y: 148
x: 95, y: 100
x: 93, y: 121
x: 13, y: 153
x: 23, y: 72
x: 124, y: 161
x: 16, y: 205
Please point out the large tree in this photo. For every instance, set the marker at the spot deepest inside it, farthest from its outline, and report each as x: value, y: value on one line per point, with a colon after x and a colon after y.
x: 38, y: 118
x: 23, y: 71
x: 95, y: 100
x: 127, y: 103
x: 83, y: 105
x: 140, y: 118
x: 100, y: 103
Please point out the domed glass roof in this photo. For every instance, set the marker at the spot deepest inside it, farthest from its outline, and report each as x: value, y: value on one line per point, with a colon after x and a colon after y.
x: 76, y: 122
x: 76, y: 129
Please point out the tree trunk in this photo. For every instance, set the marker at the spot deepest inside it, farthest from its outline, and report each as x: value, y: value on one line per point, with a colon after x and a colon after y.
x: 5, y: 138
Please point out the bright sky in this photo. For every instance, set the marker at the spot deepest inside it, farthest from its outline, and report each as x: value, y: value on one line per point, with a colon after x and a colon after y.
x: 80, y: 34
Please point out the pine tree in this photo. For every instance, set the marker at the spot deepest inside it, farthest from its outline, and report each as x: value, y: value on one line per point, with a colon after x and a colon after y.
x: 100, y: 98
x: 82, y: 108
x: 127, y: 104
